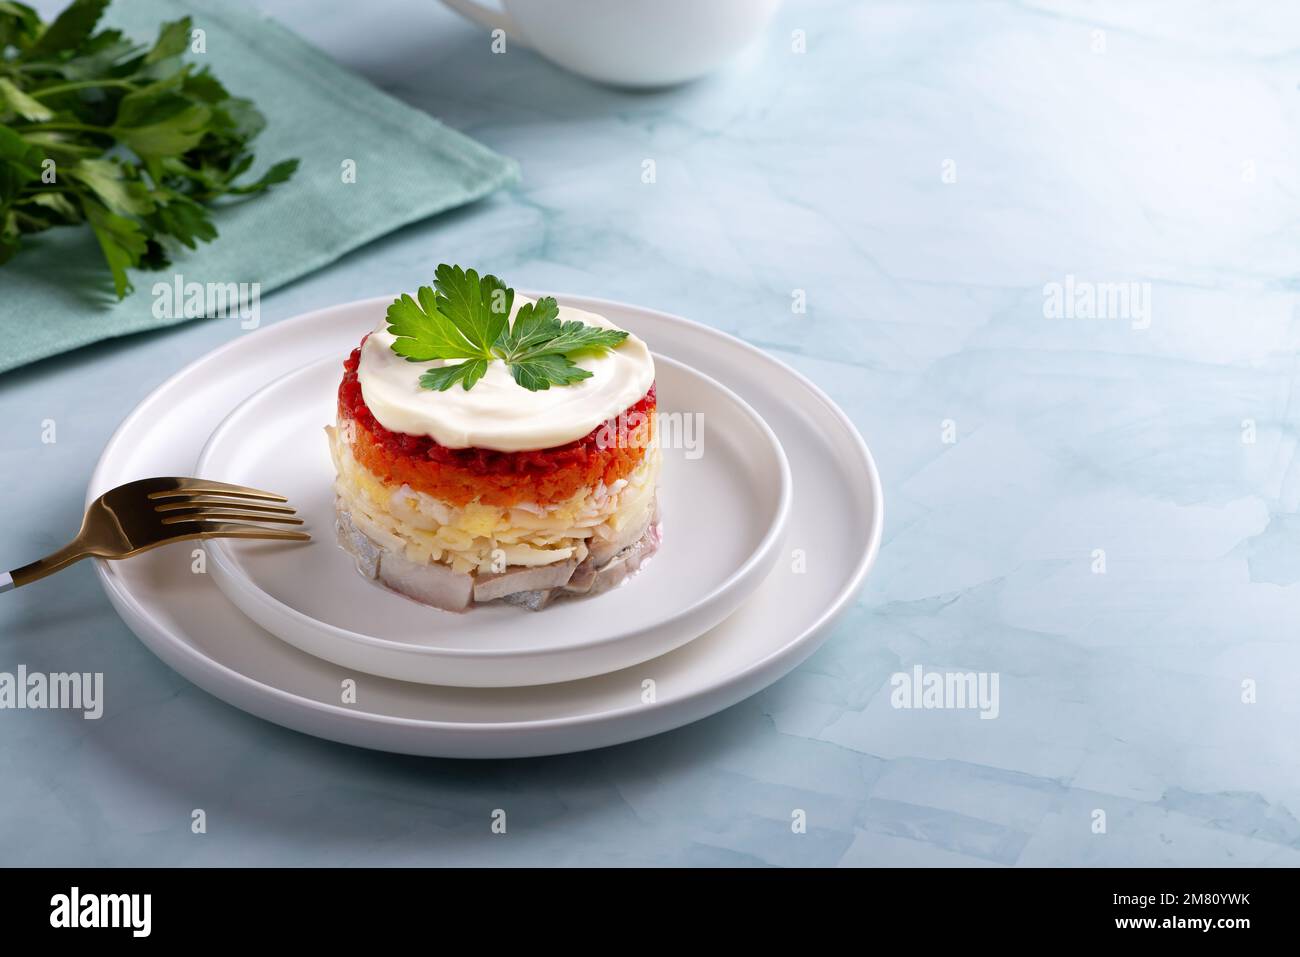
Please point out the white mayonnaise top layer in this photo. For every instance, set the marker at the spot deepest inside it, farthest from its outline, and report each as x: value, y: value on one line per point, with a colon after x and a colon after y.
x: 498, y: 413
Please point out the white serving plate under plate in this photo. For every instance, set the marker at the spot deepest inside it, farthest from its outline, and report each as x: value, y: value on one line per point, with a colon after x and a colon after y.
x: 724, y: 501
x: 833, y: 534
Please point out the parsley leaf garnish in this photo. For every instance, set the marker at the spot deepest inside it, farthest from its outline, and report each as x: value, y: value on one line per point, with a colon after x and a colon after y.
x: 539, y: 347
x: 465, y: 316
x: 444, y: 377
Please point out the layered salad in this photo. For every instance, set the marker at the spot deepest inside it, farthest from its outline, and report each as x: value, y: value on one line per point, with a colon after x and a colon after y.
x: 490, y: 448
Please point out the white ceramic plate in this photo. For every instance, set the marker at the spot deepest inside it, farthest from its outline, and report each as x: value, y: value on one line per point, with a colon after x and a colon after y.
x: 724, y: 501
x: 835, y: 523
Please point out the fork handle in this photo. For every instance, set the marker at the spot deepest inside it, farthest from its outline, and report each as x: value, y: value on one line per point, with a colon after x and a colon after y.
x: 65, y: 556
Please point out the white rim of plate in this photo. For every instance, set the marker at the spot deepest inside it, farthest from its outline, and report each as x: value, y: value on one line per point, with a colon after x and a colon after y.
x: 121, y: 597
x: 219, y: 549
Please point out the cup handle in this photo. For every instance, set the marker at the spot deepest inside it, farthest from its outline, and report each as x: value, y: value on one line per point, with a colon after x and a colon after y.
x: 487, y: 17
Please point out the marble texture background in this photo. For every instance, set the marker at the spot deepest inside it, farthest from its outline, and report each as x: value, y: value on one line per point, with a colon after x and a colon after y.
x: 1149, y: 143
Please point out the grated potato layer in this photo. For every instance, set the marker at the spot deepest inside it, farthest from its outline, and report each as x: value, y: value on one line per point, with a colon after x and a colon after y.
x: 478, y: 537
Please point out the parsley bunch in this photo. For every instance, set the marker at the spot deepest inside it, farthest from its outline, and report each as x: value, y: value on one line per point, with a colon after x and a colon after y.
x: 467, y: 317
x: 128, y: 139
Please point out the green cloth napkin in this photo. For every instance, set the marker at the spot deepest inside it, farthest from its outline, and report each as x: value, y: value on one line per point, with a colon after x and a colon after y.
x: 56, y: 295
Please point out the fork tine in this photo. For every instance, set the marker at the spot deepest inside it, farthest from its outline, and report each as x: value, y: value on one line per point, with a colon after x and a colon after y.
x: 193, y: 486
x: 239, y: 530
x: 234, y: 512
x: 244, y: 505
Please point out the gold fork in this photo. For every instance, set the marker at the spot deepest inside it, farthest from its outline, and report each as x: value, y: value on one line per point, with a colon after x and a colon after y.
x: 135, y: 517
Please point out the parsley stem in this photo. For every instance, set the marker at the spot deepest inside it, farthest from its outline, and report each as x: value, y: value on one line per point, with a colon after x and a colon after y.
x: 69, y: 127
x: 82, y: 85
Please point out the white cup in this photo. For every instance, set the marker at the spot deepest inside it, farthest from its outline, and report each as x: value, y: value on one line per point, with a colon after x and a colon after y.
x: 641, y: 43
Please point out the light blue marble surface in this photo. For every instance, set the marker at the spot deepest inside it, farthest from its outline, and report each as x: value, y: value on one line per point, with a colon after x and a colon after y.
x: 1159, y: 150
